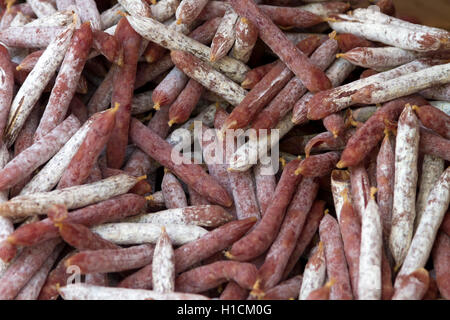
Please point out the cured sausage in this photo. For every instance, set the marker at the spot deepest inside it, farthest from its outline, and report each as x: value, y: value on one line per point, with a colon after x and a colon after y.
x: 271, y: 272
x: 369, y: 275
x: 360, y: 188
x: 164, y: 9
x: 73, y: 197
x: 172, y: 40
x: 196, y: 251
x: 79, y: 236
x: 35, y: 83
x: 83, y: 291
x: 434, y: 119
x: 264, y: 233
x: 210, y: 276
x: 441, y: 262
x: 253, y: 76
x: 24, y: 267
x: 185, y: 103
x: 31, y: 290
x: 315, y: 272
x: 113, y: 209
x: 322, y: 293
x: 385, y: 183
x: 161, y: 151
x: 173, y: 193
x: 333, y: 100
x: 38, y: 153
x: 188, y: 10
x: 308, y: 231
x: 312, y: 77
x: 413, y: 286
x: 335, y: 257
x: 369, y: 134
x: 95, y: 140
x: 403, y: 210
x: 168, y: 90
x: 208, y: 77
x: 6, y: 85
x: 224, y: 37
x: 403, y: 85
x: 122, y: 93
x: 89, y: 13
x: 294, y: 89
x: 246, y: 35
x: 163, y: 265
x: 125, y: 233
x: 52, y: 172
x: 389, y: 30
x: 265, y: 89
x: 287, y: 290
x: 112, y: 260
x: 432, y: 168
x: 422, y: 242
x: 265, y: 187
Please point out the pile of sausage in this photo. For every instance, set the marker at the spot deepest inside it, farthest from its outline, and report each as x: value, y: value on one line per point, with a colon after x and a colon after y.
x: 99, y: 98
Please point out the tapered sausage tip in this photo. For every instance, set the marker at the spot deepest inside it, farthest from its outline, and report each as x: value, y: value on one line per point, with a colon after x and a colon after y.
x: 172, y: 121
x: 141, y: 178
x: 341, y: 164
x: 257, y: 292
x: 116, y: 107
